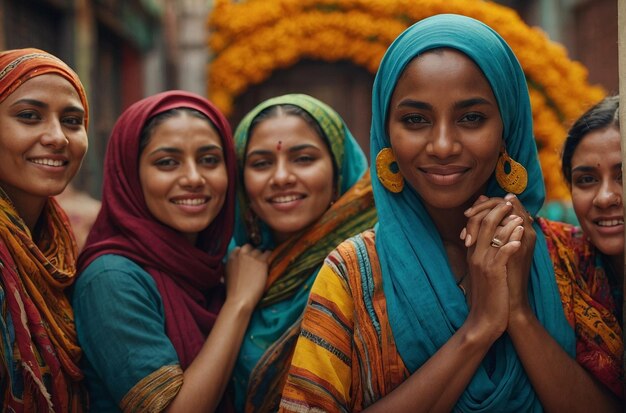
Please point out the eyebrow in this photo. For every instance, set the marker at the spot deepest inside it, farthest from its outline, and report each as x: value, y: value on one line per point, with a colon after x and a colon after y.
x: 43, y: 105
x: 585, y: 168
x: 417, y: 104
x: 172, y: 150
x: 265, y: 152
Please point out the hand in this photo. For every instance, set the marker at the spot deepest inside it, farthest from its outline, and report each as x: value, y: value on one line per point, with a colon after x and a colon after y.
x: 246, y: 275
x: 519, y: 265
x: 487, y: 266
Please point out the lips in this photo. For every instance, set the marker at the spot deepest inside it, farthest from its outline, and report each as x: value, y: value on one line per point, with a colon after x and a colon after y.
x: 191, y: 201
x: 49, y: 162
x: 444, y: 175
x: 609, y: 222
x: 283, y: 199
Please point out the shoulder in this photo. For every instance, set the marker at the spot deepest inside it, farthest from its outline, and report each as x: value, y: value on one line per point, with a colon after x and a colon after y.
x: 112, y: 269
x: 111, y: 281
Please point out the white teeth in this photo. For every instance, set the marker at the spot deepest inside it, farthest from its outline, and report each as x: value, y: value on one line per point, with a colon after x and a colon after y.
x: 286, y: 198
x: 195, y: 201
x: 610, y: 222
x: 48, y: 162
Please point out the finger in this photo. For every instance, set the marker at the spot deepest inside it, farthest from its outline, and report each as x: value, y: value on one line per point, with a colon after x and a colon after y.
x: 519, y: 208
x: 489, y: 203
x: 246, y: 248
x: 474, y: 222
x: 503, y: 233
x: 512, y: 246
x: 490, y: 223
x: 266, y: 255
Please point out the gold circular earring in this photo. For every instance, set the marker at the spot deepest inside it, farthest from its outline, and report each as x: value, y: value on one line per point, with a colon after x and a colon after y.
x: 388, y: 172
x: 516, y: 179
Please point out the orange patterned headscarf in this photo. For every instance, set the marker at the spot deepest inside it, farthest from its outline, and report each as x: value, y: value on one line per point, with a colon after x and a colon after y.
x: 39, y: 350
x: 19, y: 65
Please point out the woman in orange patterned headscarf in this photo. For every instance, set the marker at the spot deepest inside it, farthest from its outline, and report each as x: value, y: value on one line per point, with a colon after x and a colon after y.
x: 43, y: 139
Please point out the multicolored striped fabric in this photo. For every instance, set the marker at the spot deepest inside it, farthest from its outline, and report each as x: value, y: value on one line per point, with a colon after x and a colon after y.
x: 261, y: 368
x: 39, y: 353
x: 346, y: 357
x: 588, y: 303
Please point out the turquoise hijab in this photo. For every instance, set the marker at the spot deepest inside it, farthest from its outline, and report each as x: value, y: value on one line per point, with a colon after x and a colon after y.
x: 270, y: 322
x: 425, y: 306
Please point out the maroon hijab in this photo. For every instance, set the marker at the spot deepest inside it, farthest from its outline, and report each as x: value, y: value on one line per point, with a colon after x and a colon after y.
x: 187, y: 276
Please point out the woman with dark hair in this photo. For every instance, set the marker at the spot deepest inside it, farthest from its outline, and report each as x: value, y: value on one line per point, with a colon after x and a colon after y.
x: 306, y: 188
x: 43, y: 139
x: 151, y: 316
x: 593, y: 295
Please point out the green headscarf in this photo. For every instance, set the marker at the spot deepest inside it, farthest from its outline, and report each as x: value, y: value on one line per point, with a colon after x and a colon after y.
x: 280, y: 308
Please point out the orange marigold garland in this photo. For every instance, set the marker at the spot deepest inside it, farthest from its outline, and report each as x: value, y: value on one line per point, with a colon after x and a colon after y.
x: 251, y: 39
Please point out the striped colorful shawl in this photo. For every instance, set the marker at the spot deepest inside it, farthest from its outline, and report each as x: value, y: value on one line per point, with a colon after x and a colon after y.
x: 346, y: 357
x: 588, y: 303
x: 294, y: 261
x: 39, y: 365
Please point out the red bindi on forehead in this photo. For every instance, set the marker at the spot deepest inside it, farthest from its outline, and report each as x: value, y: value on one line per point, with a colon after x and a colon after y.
x: 279, y: 145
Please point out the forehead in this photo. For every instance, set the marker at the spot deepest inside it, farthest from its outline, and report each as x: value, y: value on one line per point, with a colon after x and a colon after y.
x: 184, y: 127
x: 599, y: 147
x: 286, y: 128
x: 48, y: 88
x: 442, y: 73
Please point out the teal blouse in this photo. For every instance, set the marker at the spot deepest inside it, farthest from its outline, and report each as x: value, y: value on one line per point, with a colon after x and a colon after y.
x: 121, y: 327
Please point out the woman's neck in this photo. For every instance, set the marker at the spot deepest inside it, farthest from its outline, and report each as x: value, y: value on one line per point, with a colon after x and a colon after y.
x: 28, y: 209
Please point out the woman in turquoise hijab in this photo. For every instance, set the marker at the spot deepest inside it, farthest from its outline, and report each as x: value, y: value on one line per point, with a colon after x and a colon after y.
x: 451, y: 302
x: 306, y: 188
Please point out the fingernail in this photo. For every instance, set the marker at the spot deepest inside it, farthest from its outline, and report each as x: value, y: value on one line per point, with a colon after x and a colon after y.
x: 482, y: 198
x: 508, y: 203
x: 467, y: 211
x: 463, y: 233
x: 468, y: 240
x: 509, y: 196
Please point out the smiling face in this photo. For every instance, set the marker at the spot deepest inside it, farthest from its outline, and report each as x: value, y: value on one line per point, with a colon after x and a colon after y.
x: 183, y: 174
x: 288, y: 174
x: 445, y: 129
x: 42, y: 141
x: 597, y: 189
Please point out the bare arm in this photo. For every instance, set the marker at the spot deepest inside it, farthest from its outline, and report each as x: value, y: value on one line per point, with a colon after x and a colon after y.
x: 559, y: 381
x: 437, y: 385
x: 206, y: 378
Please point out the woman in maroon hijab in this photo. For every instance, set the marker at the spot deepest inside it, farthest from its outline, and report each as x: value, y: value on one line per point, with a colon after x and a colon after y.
x: 156, y: 330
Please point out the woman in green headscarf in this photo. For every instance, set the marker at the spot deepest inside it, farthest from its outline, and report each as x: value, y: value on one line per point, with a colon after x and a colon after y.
x: 451, y: 302
x: 306, y: 188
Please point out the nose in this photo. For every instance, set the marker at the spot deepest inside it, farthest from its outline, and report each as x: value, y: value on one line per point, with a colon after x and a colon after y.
x: 443, y: 142
x: 53, y: 135
x: 609, y: 195
x: 283, y: 175
x: 192, y: 176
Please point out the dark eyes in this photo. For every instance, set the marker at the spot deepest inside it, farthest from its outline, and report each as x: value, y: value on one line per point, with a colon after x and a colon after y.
x: 208, y: 160
x: 303, y: 159
x: 472, y: 117
x: 469, y: 118
x: 32, y: 117
x: 585, y: 180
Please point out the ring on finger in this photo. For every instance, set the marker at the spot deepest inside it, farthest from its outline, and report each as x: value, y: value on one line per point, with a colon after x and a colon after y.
x: 496, y: 243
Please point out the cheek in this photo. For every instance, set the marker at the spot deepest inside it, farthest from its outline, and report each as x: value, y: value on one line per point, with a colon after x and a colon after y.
x: 220, y: 182
x: 253, y: 183
x: 582, y: 201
